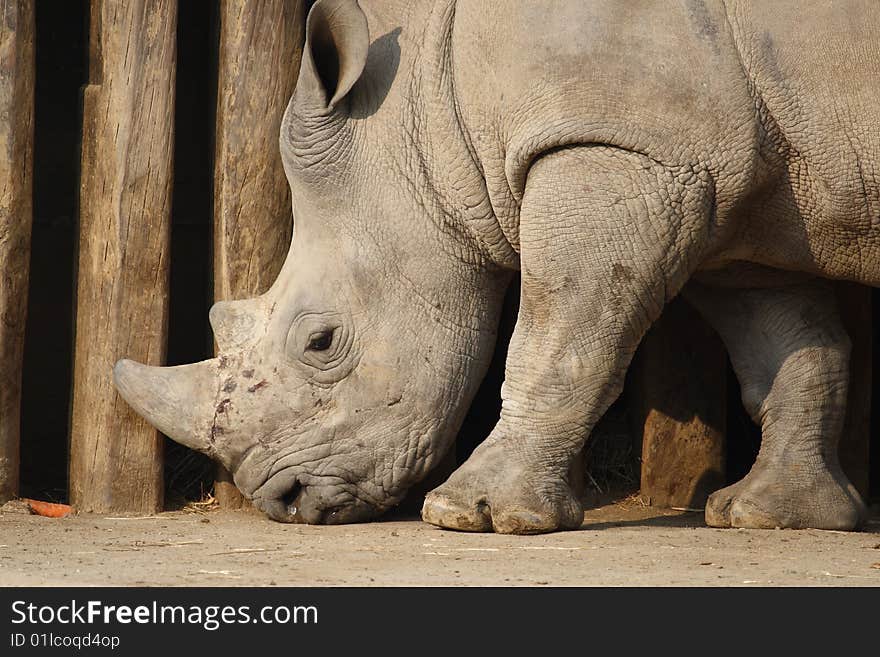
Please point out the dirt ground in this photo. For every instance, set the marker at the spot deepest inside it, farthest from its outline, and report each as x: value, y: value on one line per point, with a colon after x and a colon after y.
x: 623, y: 543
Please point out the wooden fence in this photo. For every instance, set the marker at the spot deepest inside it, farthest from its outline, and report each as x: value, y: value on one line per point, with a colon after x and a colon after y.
x: 127, y: 187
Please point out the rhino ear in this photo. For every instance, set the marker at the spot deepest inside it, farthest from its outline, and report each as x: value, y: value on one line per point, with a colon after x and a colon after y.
x: 335, y: 53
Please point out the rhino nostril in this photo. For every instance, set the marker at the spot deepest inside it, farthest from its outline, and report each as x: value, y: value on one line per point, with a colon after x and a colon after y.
x: 291, y: 498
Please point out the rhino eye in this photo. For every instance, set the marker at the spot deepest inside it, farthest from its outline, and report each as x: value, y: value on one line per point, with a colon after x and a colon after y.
x: 320, y: 341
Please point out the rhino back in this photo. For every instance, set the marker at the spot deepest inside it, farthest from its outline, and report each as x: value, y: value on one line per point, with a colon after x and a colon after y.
x: 815, y: 71
x: 779, y: 102
x: 658, y: 77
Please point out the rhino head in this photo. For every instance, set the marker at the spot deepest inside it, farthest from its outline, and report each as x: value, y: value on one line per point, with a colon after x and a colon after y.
x: 343, y: 384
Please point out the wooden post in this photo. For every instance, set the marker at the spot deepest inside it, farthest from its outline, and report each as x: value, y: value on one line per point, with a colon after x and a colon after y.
x: 260, y: 49
x: 679, y: 405
x: 16, y: 169
x: 854, y: 302
x: 122, y: 291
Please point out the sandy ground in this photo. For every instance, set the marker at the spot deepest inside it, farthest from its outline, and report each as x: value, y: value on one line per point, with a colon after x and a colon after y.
x: 619, y: 544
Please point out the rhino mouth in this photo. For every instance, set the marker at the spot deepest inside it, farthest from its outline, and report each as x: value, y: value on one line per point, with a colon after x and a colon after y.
x: 295, y: 502
x: 291, y: 499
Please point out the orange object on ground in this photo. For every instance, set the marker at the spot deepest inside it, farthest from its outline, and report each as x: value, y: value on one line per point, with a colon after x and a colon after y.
x: 49, y: 509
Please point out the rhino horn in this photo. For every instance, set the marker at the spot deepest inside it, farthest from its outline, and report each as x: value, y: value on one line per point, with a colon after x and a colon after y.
x: 234, y: 322
x: 178, y: 401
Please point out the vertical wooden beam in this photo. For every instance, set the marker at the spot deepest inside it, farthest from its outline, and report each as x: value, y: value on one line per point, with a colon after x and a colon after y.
x: 260, y: 49
x: 122, y: 290
x: 16, y: 169
x: 679, y: 405
x: 854, y: 302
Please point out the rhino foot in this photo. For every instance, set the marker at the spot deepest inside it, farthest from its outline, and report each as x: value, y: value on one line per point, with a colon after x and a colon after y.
x: 761, y: 501
x: 502, y: 500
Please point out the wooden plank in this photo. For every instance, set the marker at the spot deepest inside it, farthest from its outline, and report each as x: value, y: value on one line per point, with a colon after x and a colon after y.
x: 679, y: 405
x: 854, y: 302
x: 122, y: 288
x: 260, y: 49
x: 16, y: 179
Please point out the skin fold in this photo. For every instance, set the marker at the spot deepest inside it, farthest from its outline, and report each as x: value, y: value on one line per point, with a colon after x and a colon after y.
x: 616, y: 155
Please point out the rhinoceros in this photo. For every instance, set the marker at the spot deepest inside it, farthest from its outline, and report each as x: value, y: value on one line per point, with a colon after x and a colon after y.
x: 616, y: 154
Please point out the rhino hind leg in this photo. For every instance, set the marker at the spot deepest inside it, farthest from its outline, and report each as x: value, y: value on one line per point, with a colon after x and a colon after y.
x: 791, y: 355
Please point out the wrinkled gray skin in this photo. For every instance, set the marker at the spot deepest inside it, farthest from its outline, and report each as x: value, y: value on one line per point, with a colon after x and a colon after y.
x: 609, y: 151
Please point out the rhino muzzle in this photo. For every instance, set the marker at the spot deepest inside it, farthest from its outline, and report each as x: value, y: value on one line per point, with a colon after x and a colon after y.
x: 297, y: 506
x: 184, y: 402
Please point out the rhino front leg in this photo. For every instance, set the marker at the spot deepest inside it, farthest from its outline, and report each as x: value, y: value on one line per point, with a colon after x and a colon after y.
x: 606, y: 238
x: 791, y: 355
